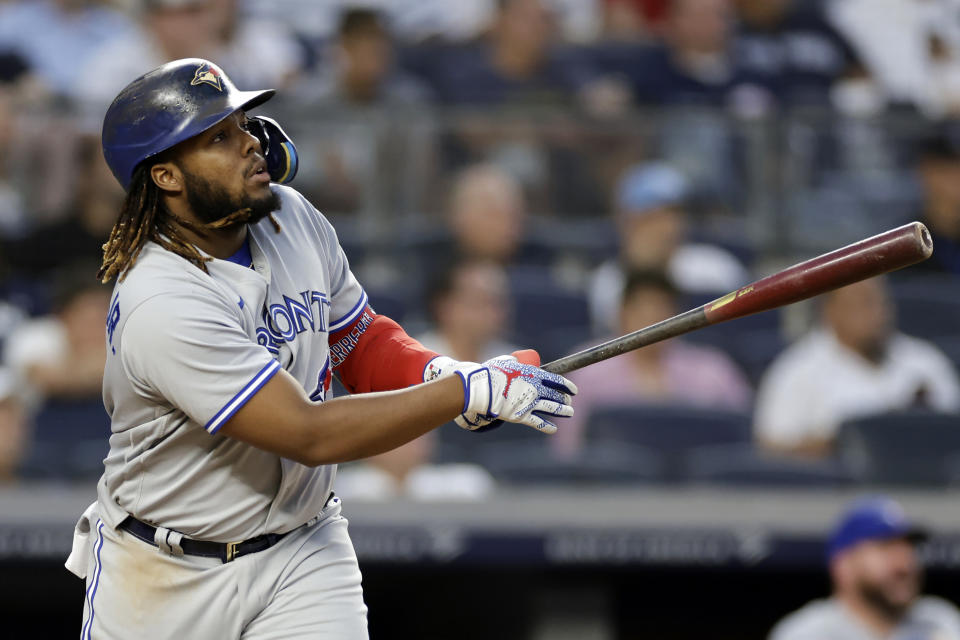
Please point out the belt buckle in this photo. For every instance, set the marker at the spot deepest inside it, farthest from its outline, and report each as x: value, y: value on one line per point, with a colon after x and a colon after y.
x: 232, y: 549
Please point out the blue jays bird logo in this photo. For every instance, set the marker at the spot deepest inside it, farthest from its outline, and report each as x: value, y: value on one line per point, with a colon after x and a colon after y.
x: 207, y: 75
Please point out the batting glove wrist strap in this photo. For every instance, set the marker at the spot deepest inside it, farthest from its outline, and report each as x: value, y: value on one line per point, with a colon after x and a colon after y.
x: 438, y: 367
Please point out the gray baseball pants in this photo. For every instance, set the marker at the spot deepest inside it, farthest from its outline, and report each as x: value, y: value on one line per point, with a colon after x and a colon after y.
x: 305, y: 586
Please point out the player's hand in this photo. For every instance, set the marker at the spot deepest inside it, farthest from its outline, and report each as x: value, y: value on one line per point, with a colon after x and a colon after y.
x: 503, y: 389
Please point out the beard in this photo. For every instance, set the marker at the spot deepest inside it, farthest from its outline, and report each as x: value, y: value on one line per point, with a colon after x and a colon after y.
x: 880, y: 600
x: 211, y: 203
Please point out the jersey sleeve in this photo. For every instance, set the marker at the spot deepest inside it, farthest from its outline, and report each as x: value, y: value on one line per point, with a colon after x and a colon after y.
x: 192, y: 351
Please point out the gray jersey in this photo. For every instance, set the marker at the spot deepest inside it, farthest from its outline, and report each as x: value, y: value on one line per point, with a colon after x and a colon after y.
x: 187, y: 349
x: 928, y: 619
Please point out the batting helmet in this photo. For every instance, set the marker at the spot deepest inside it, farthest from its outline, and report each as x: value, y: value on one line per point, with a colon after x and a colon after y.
x: 175, y: 102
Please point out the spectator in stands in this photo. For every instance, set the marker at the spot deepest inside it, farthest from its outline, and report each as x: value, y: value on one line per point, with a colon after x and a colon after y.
x: 358, y: 70
x: 256, y: 53
x: 407, y: 471
x: 62, y: 355
x: 486, y: 217
x: 12, y: 207
x: 650, y: 203
x: 253, y: 53
x: 14, y: 428
x: 633, y: 19
x: 361, y: 70
x: 37, y: 136
x: 469, y: 305
x: 694, y: 64
x: 939, y: 170
x: 788, y: 47
x: 673, y: 372
x: 911, y: 48
x: 876, y: 575
x: 57, y: 37
x: 80, y: 236
x: 854, y: 364
x: 11, y: 315
x: 487, y: 214
x: 516, y: 63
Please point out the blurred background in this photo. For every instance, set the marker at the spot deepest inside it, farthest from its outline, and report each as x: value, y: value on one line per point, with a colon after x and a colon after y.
x: 545, y: 174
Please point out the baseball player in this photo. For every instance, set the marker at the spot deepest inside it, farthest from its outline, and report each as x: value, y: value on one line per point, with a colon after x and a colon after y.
x: 233, y: 307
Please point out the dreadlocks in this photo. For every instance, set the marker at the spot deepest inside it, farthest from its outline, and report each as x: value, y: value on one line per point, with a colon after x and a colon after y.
x: 144, y: 217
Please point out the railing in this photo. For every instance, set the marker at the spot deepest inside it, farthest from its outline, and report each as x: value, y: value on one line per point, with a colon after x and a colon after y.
x: 783, y: 184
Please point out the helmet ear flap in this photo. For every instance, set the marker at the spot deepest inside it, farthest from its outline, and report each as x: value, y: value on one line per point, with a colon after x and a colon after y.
x: 278, y: 148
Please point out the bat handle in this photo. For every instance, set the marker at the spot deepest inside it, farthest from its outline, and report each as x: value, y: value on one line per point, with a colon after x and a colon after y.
x: 671, y: 327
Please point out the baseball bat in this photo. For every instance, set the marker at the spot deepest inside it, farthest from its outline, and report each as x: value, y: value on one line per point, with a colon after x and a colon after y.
x: 888, y: 251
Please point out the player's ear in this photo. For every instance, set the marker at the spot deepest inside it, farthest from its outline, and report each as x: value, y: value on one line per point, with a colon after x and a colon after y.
x: 167, y: 177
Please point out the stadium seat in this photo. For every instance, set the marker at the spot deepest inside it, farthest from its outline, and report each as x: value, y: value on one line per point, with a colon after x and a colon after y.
x: 459, y: 445
x: 392, y: 303
x: 756, y: 350
x: 904, y: 448
x: 669, y: 431
x: 950, y: 345
x: 742, y: 465
x: 535, y: 300
x: 593, y: 239
x: 556, y: 343
x: 70, y: 440
x: 531, y: 463
x: 753, y: 342
x: 928, y: 307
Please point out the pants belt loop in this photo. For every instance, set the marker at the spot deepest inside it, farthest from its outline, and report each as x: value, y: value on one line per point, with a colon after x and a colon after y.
x: 160, y: 539
x: 173, y: 539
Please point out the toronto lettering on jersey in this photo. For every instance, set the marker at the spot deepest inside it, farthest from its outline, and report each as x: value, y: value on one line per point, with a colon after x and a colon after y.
x: 342, y: 347
x: 283, y: 322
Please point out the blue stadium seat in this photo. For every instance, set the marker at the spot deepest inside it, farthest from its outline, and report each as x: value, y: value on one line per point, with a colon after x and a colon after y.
x: 904, y: 448
x: 592, y: 239
x: 459, y: 445
x: 753, y: 342
x: 556, y: 343
x: 950, y: 345
x: 756, y: 350
x: 531, y: 463
x: 742, y: 465
x: 539, y: 303
x: 70, y: 440
x: 928, y: 307
x: 391, y: 303
x: 670, y: 431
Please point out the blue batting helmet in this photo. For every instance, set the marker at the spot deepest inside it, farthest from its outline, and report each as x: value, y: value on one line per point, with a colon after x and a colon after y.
x: 167, y: 106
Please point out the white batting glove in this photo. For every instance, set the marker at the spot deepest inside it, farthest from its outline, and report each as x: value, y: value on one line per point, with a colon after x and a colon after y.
x: 502, y: 389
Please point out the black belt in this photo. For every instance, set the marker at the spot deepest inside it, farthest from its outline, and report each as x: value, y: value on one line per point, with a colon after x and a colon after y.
x: 226, y: 551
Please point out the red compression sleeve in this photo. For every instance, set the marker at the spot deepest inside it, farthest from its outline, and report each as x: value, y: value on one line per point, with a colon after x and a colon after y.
x: 375, y: 354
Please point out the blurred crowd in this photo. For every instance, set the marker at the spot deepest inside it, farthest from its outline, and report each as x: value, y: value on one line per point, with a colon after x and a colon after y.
x: 547, y: 174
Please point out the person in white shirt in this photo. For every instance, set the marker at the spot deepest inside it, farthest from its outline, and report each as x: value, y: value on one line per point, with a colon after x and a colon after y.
x: 855, y: 364
x: 876, y: 578
x: 469, y: 304
x: 911, y: 48
x: 61, y: 355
